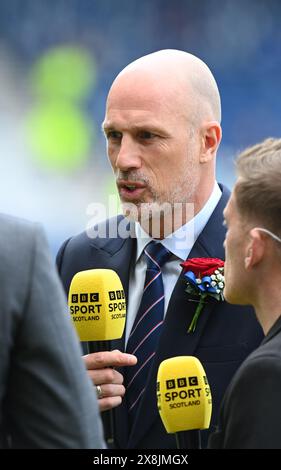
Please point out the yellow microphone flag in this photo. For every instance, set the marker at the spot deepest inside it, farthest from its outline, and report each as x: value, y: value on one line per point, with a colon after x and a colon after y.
x: 97, y: 305
x: 183, y: 394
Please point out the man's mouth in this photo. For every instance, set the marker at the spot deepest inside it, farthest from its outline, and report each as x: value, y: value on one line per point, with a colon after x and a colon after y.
x: 130, y: 189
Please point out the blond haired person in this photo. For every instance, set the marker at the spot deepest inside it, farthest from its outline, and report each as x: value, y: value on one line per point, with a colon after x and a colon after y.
x: 251, y: 411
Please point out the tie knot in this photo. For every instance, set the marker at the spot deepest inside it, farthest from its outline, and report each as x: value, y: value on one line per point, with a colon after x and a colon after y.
x: 156, y: 255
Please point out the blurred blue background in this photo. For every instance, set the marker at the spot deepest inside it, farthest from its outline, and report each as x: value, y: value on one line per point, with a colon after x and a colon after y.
x: 57, y: 61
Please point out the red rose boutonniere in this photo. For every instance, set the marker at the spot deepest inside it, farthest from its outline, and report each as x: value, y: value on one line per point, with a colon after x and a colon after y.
x: 204, y: 279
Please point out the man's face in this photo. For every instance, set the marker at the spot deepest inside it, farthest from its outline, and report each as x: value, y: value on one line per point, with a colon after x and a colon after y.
x: 236, y: 241
x: 150, y: 143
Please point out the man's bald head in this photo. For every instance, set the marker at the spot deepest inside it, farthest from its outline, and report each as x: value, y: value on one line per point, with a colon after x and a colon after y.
x: 182, y: 75
x: 162, y: 129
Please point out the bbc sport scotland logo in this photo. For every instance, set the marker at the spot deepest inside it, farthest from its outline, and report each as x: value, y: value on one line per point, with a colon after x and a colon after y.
x: 182, y: 382
x: 116, y: 294
x: 85, y: 297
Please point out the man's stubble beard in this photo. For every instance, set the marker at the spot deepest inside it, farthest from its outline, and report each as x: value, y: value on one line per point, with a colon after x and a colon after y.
x: 173, y: 209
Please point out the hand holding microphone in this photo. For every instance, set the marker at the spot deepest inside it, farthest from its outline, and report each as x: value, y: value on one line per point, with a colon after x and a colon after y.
x: 184, y: 399
x: 100, y: 369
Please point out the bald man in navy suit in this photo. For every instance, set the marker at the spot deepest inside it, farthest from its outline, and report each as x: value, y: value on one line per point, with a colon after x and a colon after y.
x: 162, y: 126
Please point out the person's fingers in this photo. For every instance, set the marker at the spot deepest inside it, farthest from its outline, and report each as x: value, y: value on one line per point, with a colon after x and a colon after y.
x: 102, y: 359
x: 99, y: 391
x: 110, y: 390
x: 109, y: 395
x: 108, y: 380
x: 105, y: 376
x: 109, y: 402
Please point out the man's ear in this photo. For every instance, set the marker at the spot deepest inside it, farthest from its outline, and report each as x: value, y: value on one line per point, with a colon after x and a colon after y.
x: 254, y: 250
x: 211, y: 137
x: 248, y: 261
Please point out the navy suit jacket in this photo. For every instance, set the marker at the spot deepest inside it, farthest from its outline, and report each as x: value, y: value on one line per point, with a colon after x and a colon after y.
x: 223, y: 338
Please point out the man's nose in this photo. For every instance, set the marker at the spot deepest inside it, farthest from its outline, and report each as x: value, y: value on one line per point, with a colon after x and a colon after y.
x: 128, y: 156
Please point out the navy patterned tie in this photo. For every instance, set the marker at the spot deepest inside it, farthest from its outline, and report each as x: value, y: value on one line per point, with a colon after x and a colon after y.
x: 146, y: 330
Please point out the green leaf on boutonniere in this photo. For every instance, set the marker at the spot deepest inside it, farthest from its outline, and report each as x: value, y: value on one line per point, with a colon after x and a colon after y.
x: 204, y: 280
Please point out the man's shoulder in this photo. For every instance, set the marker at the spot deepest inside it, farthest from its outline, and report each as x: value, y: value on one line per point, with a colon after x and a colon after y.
x: 20, y: 241
x: 95, y: 248
x: 17, y: 236
x: 102, y: 234
x: 268, y: 351
x: 96, y: 243
x: 13, y: 225
x: 262, y: 365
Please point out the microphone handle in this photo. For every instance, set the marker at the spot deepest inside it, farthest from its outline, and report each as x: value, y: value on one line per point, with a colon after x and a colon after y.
x: 107, y: 416
x: 96, y: 346
x: 188, y: 439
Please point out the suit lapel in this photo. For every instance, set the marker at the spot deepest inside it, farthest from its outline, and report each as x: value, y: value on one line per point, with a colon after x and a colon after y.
x: 175, y: 341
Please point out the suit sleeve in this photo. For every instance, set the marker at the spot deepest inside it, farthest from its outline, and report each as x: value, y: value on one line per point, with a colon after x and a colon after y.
x: 52, y: 403
x: 252, y: 413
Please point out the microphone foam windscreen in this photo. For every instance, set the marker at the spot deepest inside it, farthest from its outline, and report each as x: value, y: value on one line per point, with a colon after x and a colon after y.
x: 183, y: 394
x: 97, y: 305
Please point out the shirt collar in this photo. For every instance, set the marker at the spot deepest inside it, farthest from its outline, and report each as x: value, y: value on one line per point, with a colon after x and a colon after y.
x: 182, y: 240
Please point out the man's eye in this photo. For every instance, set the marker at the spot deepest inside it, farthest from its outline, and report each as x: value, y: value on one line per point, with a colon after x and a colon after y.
x: 113, y: 135
x: 146, y: 135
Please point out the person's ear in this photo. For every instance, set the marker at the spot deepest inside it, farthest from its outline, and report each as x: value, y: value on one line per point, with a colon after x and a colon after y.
x: 248, y: 258
x: 254, y: 250
x: 211, y: 137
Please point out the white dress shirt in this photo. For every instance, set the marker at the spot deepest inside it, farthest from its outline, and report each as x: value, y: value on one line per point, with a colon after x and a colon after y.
x: 179, y: 243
